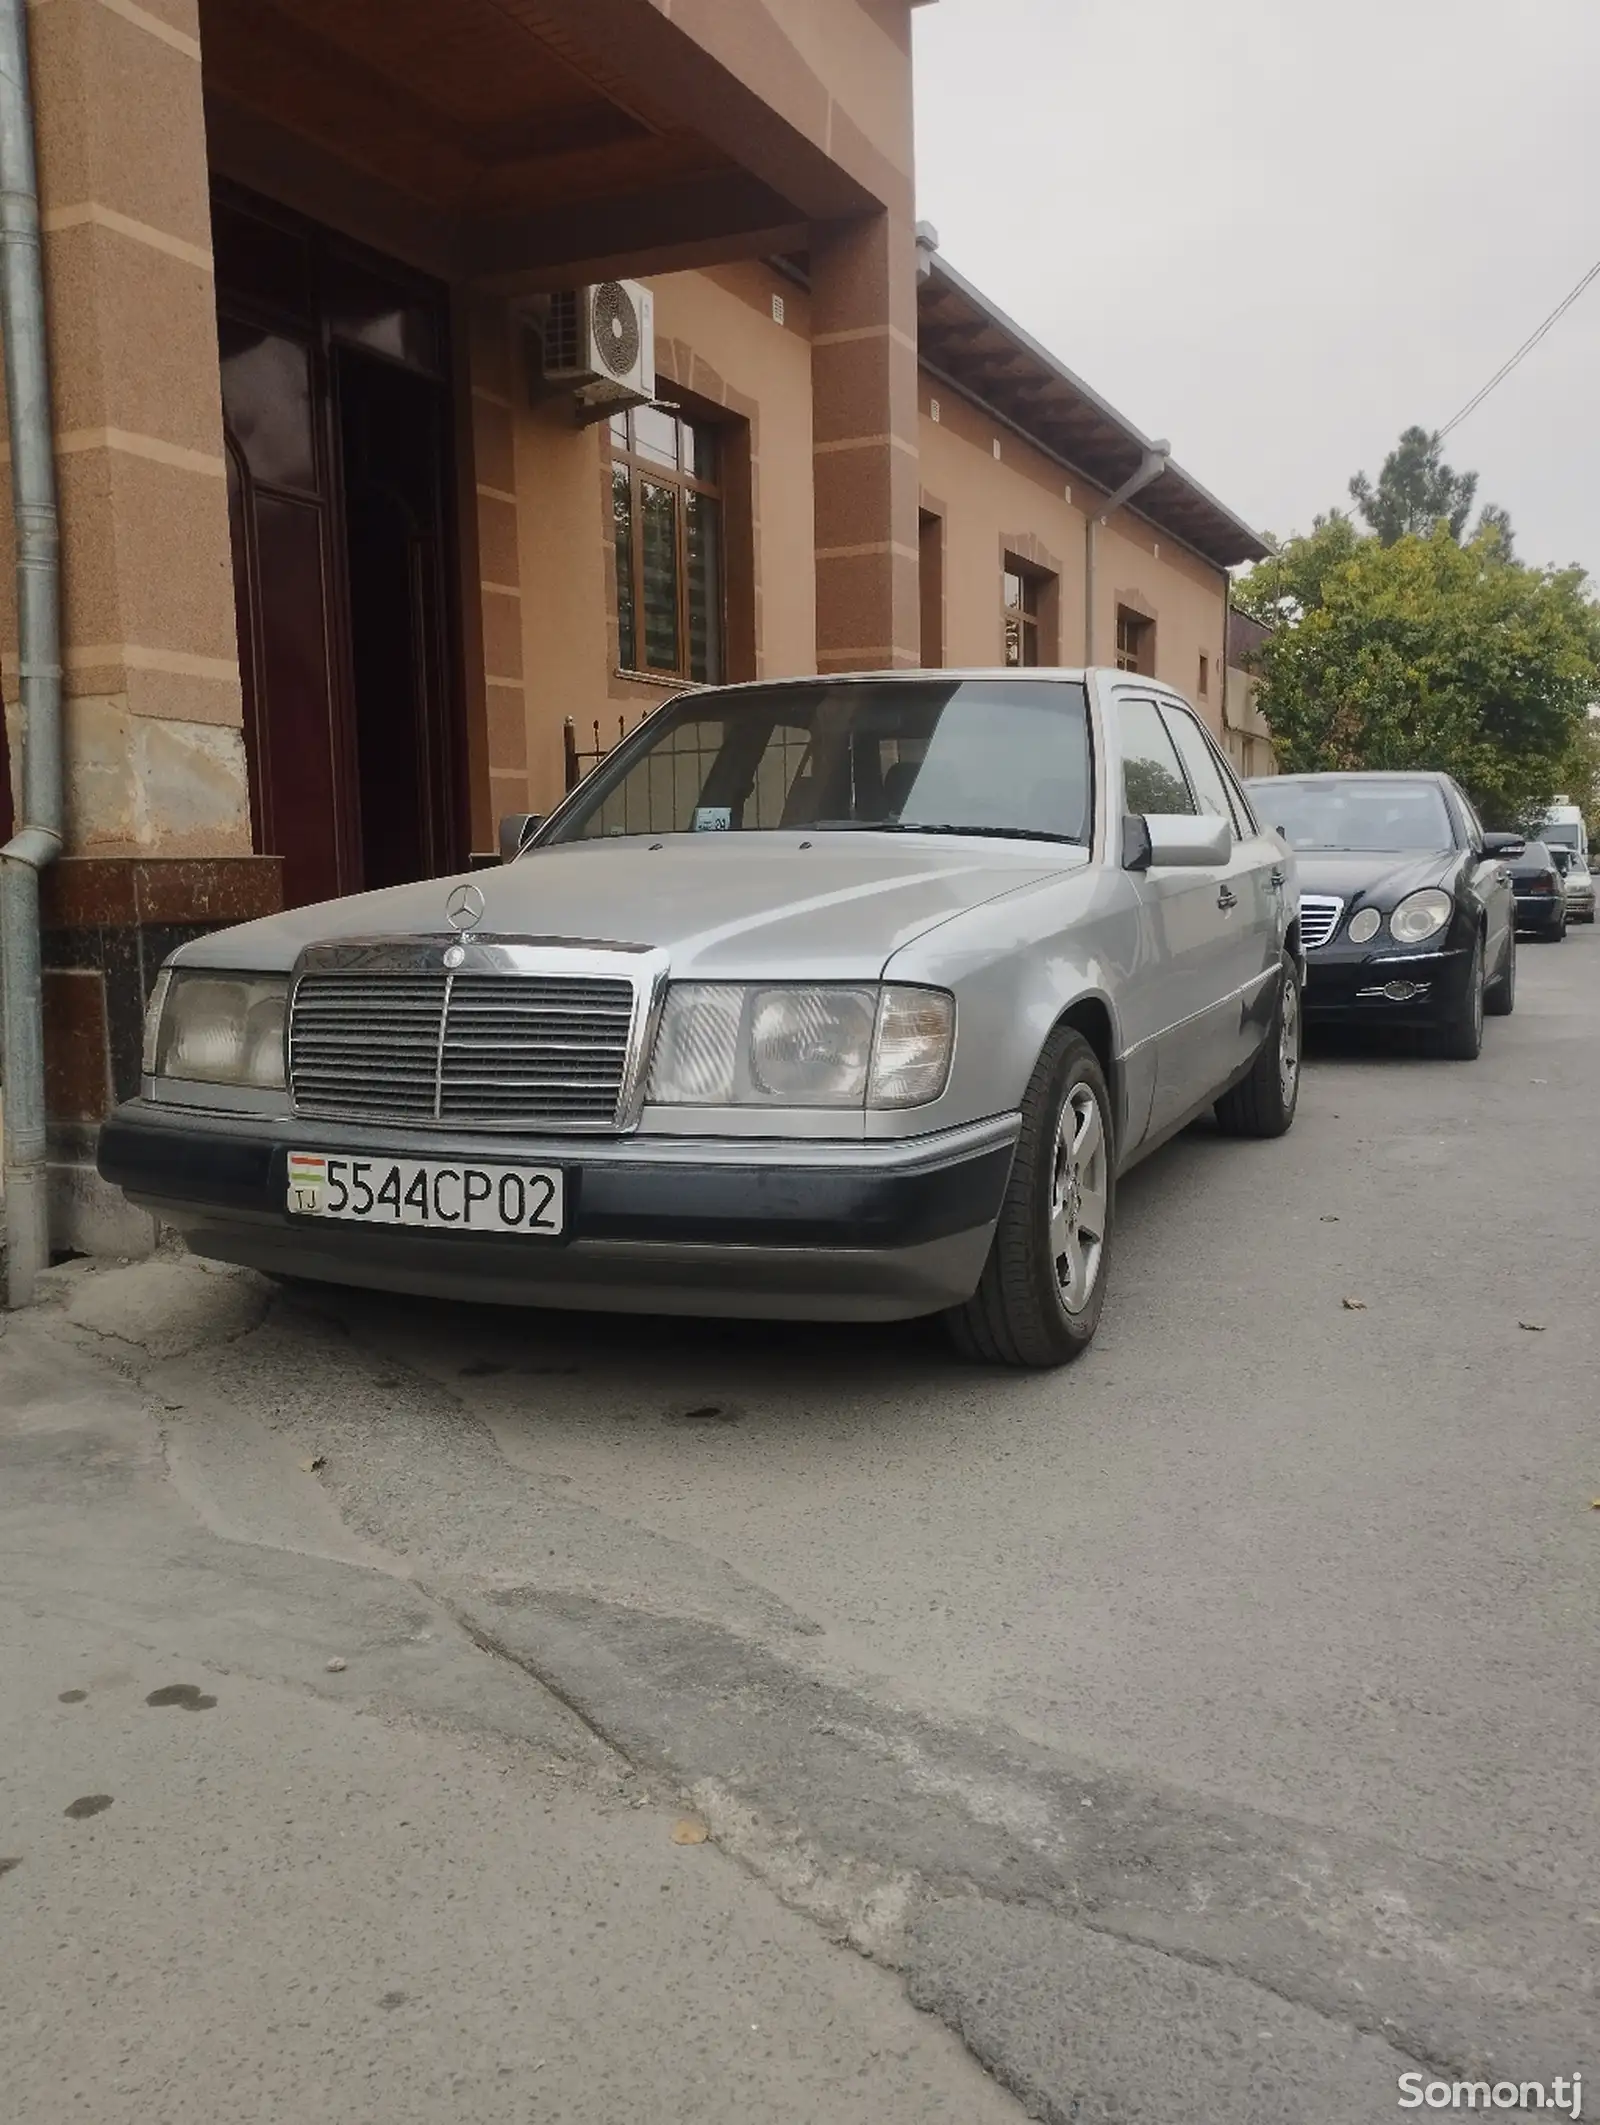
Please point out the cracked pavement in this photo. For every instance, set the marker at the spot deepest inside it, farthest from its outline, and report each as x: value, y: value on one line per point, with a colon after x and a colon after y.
x: 1201, y: 1734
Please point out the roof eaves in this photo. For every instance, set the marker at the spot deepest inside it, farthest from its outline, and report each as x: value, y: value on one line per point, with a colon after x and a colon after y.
x: 1248, y: 539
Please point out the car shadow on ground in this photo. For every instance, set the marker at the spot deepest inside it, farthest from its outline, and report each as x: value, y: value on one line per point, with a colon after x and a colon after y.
x: 702, y: 1372
x: 1376, y: 1044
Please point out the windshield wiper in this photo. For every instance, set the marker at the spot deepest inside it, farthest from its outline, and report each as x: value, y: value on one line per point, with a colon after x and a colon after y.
x: 904, y: 826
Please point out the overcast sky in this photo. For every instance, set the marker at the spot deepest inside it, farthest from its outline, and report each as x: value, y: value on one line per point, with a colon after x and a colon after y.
x: 1277, y: 231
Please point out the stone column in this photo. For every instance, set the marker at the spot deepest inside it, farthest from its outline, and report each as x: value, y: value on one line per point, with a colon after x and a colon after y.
x: 155, y: 751
x: 498, y: 738
x: 864, y: 443
x: 158, y: 809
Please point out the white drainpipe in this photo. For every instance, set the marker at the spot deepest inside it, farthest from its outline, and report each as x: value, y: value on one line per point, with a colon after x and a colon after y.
x: 1151, y: 467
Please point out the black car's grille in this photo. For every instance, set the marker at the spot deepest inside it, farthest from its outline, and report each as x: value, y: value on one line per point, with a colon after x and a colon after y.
x: 432, y: 1047
x: 1319, y: 918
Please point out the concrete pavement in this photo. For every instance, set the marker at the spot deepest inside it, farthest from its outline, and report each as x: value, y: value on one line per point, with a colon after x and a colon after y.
x: 1204, y: 1733
x: 279, y: 1841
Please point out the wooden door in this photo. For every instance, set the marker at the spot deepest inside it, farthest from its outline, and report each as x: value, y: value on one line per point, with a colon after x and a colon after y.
x: 336, y: 414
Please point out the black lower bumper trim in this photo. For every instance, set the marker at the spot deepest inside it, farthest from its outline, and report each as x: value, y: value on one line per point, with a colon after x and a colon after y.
x: 1350, y: 987
x: 170, y: 1167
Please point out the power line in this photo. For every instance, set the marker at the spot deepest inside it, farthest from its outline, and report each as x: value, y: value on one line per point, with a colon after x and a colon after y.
x: 1525, y: 349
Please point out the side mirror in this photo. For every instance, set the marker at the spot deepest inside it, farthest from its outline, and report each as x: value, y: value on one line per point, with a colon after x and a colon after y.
x: 517, y: 829
x: 1182, y: 841
x: 1504, y: 846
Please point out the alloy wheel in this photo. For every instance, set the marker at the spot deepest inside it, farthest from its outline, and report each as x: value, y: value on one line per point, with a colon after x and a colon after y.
x: 1079, y: 1197
x: 1289, y: 1041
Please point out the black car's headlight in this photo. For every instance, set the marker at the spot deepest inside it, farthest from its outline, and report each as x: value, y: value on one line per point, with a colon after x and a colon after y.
x: 1364, y: 925
x: 1420, y: 916
x: 217, y: 1029
x: 732, y: 1044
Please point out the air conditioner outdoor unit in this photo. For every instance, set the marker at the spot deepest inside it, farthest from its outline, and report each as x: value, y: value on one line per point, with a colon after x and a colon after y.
x: 600, y: 343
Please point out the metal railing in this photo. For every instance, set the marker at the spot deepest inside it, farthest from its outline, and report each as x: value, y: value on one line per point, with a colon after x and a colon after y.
x: 578, y: 761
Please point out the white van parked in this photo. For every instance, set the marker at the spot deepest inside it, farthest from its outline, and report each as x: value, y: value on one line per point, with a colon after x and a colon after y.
x: 1563, y: 827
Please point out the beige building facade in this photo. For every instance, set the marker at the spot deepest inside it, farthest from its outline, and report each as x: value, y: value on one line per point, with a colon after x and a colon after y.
x: 1245, y: 729
x: 345, y: 578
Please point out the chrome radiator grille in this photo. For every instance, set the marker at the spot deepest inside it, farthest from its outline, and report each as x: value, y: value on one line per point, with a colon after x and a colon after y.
x: 499, y: 1049
x: 1319, y: 918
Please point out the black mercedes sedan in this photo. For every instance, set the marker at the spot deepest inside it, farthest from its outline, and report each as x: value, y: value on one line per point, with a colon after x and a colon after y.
x: 1538, y: 882
x: 1407, y: 915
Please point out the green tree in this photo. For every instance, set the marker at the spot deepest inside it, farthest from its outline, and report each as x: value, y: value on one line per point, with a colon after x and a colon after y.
x: 1416, y: 490
x: 1495, y: 522
x: 1579, y: 776
x: 1426, y: 653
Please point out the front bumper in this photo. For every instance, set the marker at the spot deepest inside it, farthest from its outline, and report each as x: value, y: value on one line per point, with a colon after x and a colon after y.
x: 1343, y: 982
x: 798, y: 1230
x: 1541, y: 911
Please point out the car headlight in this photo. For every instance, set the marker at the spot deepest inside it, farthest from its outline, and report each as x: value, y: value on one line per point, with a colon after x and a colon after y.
x: 728, y: 1044
x: 217, y: 1029
x: 1419, y: 915
x: 1364, y: 925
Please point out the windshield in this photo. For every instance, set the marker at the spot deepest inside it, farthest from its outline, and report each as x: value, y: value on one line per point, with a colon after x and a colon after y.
x: 983, y: 756
x: 1380, y: 816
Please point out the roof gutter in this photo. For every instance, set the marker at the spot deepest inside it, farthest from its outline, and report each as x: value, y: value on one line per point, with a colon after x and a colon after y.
x: 37, y: 841
x: 1054, y: 456
x: 1156, y: 458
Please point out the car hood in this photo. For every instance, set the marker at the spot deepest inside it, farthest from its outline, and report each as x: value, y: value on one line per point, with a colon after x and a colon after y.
x: 819, y: 905
x: 1382, y: 876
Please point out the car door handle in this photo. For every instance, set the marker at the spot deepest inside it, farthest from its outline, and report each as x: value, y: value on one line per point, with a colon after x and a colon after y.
x: 1226, y: 898
x: 1278, y: 878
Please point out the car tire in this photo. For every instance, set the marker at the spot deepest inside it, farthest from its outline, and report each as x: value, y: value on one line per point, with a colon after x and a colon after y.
x: 1460, y: 1035
x: 1064, y: 1165
x: 1500, y: 997
x: 1263, y: 1104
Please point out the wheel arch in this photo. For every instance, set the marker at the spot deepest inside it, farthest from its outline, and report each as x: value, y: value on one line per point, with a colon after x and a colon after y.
x: 1092, y: 1016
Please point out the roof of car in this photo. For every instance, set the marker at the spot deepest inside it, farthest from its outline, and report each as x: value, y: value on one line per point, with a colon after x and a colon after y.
x: 1052, y: 674
x: 1358, y: 774
x: 946, y: 672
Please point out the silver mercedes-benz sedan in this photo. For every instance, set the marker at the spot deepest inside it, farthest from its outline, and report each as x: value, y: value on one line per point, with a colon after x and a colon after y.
x: 836, y: 999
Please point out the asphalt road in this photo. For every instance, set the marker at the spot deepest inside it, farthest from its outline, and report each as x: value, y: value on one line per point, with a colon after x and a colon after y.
x: 1207, y: 1732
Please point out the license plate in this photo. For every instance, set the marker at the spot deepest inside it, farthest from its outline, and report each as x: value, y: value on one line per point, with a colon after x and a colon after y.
x: 447, y: 1197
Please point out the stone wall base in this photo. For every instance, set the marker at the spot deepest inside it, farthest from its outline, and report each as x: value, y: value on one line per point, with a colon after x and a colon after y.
x: 88, y: 1215
x: 109, y: 922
